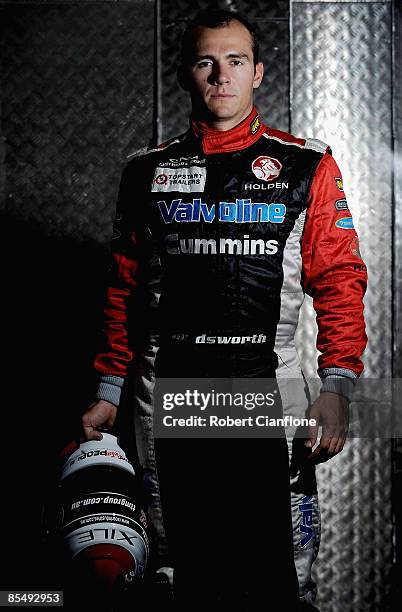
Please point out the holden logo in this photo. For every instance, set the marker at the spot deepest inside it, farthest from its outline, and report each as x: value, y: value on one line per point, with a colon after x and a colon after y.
x: 266, y: 168
x: 161, y: 179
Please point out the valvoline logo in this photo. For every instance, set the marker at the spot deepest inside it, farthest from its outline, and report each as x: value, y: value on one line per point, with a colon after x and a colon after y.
x: 306, y: 523
x: 241, y: 211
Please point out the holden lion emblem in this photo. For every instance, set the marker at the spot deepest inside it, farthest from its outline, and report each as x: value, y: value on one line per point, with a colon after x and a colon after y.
x: 266, y: 168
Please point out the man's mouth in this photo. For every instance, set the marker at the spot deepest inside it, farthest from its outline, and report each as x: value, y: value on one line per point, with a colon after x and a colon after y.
x: 222, y: 96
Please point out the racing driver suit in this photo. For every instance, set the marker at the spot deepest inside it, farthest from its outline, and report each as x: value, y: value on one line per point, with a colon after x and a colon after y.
x: 233, y: 228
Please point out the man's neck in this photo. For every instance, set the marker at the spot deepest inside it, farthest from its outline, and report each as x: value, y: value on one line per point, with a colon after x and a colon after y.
x: 241, y: 135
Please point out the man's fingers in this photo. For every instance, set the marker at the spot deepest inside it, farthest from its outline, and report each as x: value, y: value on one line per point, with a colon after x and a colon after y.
x: 332, y: 412
x: 341, y: 443
x: 312, y: 432
x: 317, y: 456
x: 325, y: 442
x: 334, y: 441
x: 321, y: 448
x: 337, y: 443
x: 100, y: 415
x: 89, y: 427
x: 91, y: 433
x: 336, y: 436
x: 320, y: 455
x: 328, y: 448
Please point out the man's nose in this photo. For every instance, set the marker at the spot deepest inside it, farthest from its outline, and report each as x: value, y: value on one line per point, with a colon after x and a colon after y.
x: 220, y: 74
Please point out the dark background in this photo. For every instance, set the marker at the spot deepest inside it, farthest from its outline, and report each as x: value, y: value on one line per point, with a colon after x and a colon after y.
x: 77, y: 97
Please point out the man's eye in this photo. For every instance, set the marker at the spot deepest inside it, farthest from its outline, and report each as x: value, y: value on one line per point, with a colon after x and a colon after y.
x: 204, y: 64
x: 237, y: 62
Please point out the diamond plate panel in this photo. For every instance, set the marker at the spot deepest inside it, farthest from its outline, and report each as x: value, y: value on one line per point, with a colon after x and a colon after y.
x: 272, y: 98
x: 397, y: 116
x: 341, y: 93
x: 77, y: 98
x: 353, y: 566
x: 349, y: 107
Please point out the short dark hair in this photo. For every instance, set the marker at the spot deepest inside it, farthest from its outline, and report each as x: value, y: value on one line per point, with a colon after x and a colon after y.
x: 215, y: 19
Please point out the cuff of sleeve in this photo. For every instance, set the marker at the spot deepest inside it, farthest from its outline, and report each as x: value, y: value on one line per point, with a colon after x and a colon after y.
x: 109, y: 389
x: 342, y: 385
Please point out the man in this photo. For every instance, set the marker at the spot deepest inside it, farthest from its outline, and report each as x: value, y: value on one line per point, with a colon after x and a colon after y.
x: 257, y: 218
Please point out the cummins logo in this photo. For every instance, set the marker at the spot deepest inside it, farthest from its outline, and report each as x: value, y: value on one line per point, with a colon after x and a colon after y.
x: 224, y: 246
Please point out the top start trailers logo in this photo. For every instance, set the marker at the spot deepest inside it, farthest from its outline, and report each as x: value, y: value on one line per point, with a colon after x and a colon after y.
x: 241, y: 211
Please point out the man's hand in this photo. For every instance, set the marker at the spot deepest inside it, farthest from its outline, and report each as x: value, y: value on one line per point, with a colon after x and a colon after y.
x: 332, y: 412
x: 99, y: 414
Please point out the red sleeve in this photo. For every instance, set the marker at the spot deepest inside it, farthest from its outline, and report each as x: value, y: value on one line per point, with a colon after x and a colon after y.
x: 334, y: 274
x: 115, y: 353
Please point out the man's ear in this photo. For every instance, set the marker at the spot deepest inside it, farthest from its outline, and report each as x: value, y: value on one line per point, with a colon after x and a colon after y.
x: 183, y: 78
x: 258, y: 74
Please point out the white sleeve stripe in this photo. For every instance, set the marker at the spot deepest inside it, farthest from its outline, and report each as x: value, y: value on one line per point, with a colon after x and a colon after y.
x: 311, y: 143
x: 293, y: 144
x: 145, y: 150
x: 316, y: 145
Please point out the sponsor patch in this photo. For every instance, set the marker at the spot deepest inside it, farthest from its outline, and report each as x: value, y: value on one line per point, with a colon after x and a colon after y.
x: 306, y: 524
x: 266, y: 168
x: 254, y: 339
x: 265, y: 187
x: 241, y: 211
x: 227, y: 246
x: 182, y: 179
x: 355, y: 247
x: 161, y: 179
x: 179, y: 162
x: 341, y: 205
x: 255, y: 125
x: 339, y: 183
x: 345, y: 223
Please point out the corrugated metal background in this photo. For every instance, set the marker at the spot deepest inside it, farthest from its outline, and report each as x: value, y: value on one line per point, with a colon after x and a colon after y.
x: 78, y: 95
x: 77, y: 98
x: 397, y: 289
x: 341, y: 92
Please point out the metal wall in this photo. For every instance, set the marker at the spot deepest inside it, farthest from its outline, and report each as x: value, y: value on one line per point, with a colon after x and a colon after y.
x: 341, y: 85
x: 397, y: 286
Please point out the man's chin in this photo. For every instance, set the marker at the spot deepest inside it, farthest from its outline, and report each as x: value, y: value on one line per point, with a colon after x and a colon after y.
x: 222, y: 110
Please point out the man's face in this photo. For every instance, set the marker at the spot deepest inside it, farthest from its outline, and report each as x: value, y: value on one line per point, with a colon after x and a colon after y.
x: 222, y: 75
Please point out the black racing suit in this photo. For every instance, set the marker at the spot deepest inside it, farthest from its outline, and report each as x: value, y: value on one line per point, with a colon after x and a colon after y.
x: 211, y: 214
